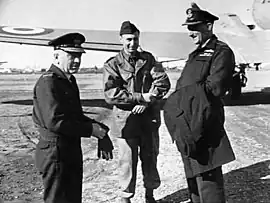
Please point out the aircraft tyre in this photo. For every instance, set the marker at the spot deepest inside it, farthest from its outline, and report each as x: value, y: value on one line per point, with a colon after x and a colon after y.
x: 236, y: 89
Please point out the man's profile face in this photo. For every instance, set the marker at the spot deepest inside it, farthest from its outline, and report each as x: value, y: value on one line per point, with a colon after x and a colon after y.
x: 70, y: 61
x: 199, y: 33
x: 130, y: 42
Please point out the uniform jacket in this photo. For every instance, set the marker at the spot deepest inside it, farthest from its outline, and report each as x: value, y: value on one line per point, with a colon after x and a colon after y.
x: 123, y: 88
x: 194, y: 113
x: 58, y: 114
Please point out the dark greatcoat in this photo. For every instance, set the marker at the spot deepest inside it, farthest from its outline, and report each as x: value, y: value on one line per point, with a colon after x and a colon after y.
x: 58, y: 114
x: 194, y: 113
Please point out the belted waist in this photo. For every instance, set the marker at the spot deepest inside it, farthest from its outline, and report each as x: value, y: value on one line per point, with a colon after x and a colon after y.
x: 47, y: 135
x: 125, y: 107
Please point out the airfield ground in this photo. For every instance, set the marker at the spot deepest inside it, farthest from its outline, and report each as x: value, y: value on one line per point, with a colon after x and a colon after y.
x: 247, y: 179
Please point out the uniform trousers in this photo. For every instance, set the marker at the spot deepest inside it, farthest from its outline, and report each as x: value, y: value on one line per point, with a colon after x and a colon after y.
x: 208, y: 187
x: 61, y: 171
x: 146, y: 147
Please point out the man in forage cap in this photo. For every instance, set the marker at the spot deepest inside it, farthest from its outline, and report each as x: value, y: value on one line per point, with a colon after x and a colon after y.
x: 134, y: 82
x: 194, y: 113
x: 58, y: 115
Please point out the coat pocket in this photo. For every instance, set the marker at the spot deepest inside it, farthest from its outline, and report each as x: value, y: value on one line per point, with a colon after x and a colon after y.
x: 202, y: 68
x: 181, y: 134
x: 46, y: 155
x: 126, y: 76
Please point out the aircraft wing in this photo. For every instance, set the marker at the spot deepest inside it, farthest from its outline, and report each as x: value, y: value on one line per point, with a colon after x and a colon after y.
x: 248, y: 46
x: 172, y: 45
x: 263, y: 37
x: 245, y: 50
x: 100, y: 40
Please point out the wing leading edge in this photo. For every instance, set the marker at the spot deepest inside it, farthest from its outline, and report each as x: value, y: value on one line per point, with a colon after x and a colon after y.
x: 162, y: 44
x: 247, y: 46
x: 100, y: 40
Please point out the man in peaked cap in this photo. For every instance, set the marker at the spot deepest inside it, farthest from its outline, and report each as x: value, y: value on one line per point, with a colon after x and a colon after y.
x: 197, y: 16
x: 194, y: 113
x: 134, y: 82
x: 70, y: 42
x: 58, y: 115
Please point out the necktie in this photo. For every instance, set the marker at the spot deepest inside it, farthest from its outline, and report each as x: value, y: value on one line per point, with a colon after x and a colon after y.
x: 132, y: 60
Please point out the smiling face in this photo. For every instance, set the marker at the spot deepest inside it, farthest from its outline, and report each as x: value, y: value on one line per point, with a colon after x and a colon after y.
x: 69, y: 62
x: 200, y: 32
x: 130, y: 42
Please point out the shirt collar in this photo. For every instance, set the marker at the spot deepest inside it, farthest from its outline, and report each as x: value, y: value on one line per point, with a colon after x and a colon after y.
x: 128, y: 56
x: 205, y: 43
x: 210, y: 43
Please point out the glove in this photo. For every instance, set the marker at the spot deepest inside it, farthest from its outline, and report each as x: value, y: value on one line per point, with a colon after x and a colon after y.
x: 105, y: 148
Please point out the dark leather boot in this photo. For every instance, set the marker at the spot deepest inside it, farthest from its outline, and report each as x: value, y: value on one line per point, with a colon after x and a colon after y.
x: 125, y: 200
x: 149, y: 196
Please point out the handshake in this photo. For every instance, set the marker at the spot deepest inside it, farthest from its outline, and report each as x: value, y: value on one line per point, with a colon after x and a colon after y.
x: 105, y: 146
x: 140, y: 108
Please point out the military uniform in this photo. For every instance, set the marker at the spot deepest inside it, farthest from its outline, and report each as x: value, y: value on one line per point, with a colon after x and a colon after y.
x: 58, y: 115
x: 194, y: 115
x: 124, y: 84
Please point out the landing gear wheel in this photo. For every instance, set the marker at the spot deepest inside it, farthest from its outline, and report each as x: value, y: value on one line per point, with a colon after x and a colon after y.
x: 236, y: 90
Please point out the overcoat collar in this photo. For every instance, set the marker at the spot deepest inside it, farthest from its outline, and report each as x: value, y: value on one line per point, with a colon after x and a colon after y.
x: 58, y: 72
x: 72, y: 80
x: 210, y: 46
x: 123, y: 61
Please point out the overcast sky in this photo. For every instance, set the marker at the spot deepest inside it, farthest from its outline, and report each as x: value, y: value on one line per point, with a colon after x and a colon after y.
x: 148, y: 15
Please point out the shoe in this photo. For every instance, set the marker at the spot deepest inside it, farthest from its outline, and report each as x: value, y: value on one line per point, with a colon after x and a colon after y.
x: 124, y: 200
x: 150, y: 200
x: 149, y: 196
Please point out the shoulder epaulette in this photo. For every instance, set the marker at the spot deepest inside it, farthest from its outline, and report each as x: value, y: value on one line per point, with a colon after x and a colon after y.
x: 146, y: 55
x: 111, y: 58
x: 222, y: 44
x: 47, y: 74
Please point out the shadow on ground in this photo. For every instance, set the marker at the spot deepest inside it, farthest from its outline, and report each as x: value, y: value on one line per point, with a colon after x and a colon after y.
x: 85, y: 102
x: 16, y: 115
x: 244, y: 185
x: 19, y: 102
x: 250, y: 98
x: 247, y: 98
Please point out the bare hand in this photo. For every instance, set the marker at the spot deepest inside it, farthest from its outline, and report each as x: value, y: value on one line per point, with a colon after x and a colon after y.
x: 98, y: 131
x: 138, y: 109
x: 148, y: 97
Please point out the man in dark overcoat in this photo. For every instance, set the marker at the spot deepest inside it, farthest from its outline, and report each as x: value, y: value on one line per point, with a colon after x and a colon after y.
x: 194, y: 113
x: 58, y: 115
x: 134, y: 82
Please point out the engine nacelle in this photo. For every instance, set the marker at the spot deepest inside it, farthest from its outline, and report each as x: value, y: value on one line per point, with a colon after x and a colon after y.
x: 261, y: 13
